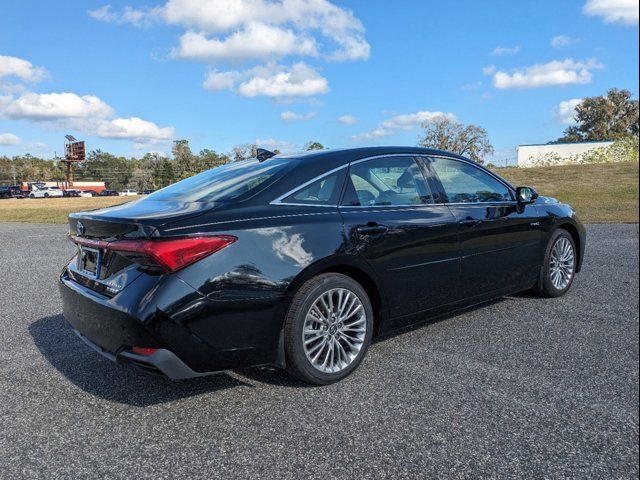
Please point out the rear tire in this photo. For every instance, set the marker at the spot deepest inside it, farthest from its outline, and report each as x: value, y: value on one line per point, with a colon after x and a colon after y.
x: 559, y: 266
x: 328, y: 329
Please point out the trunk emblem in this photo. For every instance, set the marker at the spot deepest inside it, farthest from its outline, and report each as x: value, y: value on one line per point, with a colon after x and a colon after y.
x: 80, y: 228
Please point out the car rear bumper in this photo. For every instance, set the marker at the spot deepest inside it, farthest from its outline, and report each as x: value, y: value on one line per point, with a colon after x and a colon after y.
x: 161, y: 362
x: 190, y: 341
x: 113, y: 332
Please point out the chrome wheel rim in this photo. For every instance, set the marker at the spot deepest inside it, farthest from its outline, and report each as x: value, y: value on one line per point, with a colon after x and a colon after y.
x: 334, y: 330
x: 561, y: 263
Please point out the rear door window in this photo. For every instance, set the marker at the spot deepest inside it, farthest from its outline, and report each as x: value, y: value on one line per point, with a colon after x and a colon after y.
x: 387, y: 181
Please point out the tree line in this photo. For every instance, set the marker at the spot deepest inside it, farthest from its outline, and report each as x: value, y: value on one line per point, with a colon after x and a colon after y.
x: 150, y: 172
x: 613, y: 116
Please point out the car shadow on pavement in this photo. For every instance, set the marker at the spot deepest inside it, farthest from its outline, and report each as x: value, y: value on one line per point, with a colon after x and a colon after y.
x: 273, y: 376
x: 111, y: 381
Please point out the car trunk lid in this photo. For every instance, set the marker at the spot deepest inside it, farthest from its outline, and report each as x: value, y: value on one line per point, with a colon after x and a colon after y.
x: 109, y: 272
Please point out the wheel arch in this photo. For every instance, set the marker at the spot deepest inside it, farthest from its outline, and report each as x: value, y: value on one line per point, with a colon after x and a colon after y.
x: 360, y: 272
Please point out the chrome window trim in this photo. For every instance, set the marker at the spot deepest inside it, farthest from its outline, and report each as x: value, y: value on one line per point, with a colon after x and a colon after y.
x: 410, y: 205
x: 278, y: 201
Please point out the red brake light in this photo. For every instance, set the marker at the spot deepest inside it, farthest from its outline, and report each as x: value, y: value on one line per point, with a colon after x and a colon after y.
x: 146, y: 351
x: 170, y: 255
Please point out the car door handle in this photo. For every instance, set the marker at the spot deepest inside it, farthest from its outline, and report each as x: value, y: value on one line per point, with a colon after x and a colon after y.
x: 470, y: 222
x: 371, y: 229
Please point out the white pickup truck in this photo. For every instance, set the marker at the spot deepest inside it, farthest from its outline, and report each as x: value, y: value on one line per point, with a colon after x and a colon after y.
x: 46, y: 192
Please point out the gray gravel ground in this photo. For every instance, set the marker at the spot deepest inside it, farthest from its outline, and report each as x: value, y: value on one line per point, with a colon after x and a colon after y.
x: 522, y: 387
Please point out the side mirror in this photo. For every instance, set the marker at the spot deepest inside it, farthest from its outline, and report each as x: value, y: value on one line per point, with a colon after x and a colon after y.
x: 526, y: 195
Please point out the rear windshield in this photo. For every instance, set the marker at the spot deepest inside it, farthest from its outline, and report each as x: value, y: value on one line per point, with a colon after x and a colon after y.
x: 224, y: 183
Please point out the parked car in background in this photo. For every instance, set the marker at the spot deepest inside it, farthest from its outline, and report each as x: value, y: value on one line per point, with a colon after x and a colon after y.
x: 46, y: 192
x: 11, y: 191
x: 90, y: 193
x: 128, y: 193
x: 146, y: 192
x: 71, y: 192
x: 298, y: 261
x: 109, y: 193
x: 74, y: 192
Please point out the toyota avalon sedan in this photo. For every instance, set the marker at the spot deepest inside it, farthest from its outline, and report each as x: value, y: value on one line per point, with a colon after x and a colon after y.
x: 298, y: 261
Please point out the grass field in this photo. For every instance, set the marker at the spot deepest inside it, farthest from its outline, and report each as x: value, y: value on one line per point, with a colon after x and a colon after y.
x: 600, y: 193
x: 52, y: 210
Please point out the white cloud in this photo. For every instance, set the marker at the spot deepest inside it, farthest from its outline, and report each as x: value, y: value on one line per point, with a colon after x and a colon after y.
x: 257, y: 41
x: 49, y: 106
x: 411, y: 120
x: 489, y: 70
x: 20, y: 68
x: 290, y: 116
x: 623, y: 12
x: 4, y: 101
x: 9, y: 139
x: 276, y: 81
x: 104, y: 14
x: 348, y: 119
x: 562, y: 41
x: 566, y: 110
x: 216, y: 80
x: 339, y: 31
x: 38, y: 147
x: 300, y: 80
x: 87, y: 114
x: 271, y: 144
x: 557, y: 72
x: 506, y: 50
x: 132, y: 128
x: 138, y: 18
x: 405, y: 122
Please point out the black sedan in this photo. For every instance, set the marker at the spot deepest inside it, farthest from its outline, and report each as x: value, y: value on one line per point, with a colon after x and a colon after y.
x: 298, y: 261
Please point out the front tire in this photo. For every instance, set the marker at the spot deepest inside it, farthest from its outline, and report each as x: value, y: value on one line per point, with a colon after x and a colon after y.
x: 559, y: 267
x: 328, y: 329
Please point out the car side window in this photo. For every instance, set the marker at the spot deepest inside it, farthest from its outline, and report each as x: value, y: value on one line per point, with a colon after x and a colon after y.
x: 320, y: 192
x: 386, y: 181
x: 464, y: 183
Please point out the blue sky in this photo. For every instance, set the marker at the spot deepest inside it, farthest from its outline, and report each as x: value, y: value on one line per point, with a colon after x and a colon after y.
x: 131, y: 77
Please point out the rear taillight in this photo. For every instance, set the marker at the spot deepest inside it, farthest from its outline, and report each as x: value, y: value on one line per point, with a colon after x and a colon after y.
x: 146, y: 351
x: 162, y: 255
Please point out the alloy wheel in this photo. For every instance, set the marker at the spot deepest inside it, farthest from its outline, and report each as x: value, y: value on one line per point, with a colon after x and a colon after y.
x: 334, y: 330
x: 561, y: 263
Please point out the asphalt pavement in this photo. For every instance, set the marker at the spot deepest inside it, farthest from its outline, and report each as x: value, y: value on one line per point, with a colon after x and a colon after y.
x: 521, y: 387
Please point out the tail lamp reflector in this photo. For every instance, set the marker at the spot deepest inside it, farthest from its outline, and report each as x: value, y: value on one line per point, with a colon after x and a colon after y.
x: 168, y: 255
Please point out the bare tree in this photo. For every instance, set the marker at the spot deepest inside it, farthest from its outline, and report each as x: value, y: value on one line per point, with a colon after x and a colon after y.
x: 444, y: 133
x: 244, y: 152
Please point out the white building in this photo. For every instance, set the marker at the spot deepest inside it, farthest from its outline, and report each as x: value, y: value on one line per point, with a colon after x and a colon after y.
x: 537, y: 154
